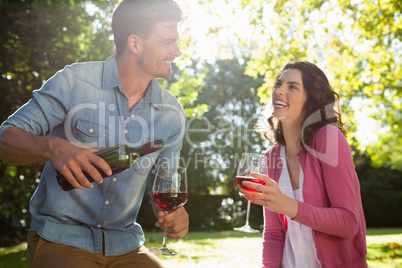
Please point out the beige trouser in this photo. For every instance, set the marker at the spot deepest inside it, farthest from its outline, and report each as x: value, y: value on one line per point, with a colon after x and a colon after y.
x: 46, y: 254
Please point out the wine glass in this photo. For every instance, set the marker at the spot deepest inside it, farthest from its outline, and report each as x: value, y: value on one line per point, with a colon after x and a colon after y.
x: 249, y: 162
x: 169, y: 192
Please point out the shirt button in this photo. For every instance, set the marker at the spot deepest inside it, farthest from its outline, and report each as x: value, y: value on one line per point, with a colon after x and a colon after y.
x: 297, y: 157
x: 114, y: 179
x: 91, y: 130
x: 107, y: 202
x: 125, y: 131
x: 99, y: 226
x: 132, y: 116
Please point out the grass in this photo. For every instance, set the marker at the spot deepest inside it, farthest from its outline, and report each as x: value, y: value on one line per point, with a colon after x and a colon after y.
x: 14, y: 256
x: 384, y: 248
x: 211, y: 249
x: 234, y: 249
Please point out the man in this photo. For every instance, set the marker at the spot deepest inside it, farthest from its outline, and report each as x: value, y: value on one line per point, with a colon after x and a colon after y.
x: 97, y: 105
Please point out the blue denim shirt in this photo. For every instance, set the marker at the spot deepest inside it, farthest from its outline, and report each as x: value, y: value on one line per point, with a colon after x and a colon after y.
x: 85, y: 103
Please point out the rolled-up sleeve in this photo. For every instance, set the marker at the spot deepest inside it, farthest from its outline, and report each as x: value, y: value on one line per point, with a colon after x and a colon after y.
x: 48, y: 106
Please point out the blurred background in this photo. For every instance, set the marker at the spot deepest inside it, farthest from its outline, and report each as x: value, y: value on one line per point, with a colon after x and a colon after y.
x: 232, y: 51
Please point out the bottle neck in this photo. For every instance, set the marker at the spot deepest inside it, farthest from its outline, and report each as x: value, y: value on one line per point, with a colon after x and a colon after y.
x: 147, y: 148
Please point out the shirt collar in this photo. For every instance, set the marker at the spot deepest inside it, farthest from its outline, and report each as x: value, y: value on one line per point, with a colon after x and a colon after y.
x: 111, y: 79
x: 110, y: 74
x: 153, y: 95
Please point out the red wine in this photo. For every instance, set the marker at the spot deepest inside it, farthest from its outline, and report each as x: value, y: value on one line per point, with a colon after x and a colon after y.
x: 169, y: 201
x: 240, y: 179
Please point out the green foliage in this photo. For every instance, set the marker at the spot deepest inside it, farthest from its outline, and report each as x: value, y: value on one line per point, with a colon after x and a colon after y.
x: 208, y: 213
x: 185, y: 83
x: 215, y: 141
x: 381, y: 191
x: 357, y: 50
x: 357, y: 45
x: 38, y: 38
x: 18, y: 185
x: 186, y: 89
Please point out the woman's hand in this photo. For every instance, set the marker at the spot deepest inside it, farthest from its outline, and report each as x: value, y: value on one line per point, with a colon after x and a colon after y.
x: 270, y: 196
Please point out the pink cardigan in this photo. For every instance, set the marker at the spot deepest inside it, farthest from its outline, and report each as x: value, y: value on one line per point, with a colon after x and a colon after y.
x: 332, y: 205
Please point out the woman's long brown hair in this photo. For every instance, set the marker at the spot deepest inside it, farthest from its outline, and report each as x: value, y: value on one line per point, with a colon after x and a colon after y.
x: 321, y: 107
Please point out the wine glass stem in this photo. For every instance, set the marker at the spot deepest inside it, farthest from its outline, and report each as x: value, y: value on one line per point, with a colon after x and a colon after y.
x: 164, y: 234
x: 248, y: 211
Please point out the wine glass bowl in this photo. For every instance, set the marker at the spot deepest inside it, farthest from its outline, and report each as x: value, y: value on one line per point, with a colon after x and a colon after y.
x: 169, y: 192
x: 169, y: 201
x: 249, y: 163
x: 240, y: 179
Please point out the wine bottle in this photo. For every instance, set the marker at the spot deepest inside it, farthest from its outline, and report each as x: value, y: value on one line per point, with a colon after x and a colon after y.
x: 120, y: 158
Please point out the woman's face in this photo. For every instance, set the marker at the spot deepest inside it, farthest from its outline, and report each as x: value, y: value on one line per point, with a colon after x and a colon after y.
x: 289, y: 97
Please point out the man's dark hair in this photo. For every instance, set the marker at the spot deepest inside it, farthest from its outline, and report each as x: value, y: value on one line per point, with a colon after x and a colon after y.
x: 139, y: 17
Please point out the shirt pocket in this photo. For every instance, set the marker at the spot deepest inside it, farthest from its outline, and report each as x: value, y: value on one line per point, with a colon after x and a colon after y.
x: 90, y: 133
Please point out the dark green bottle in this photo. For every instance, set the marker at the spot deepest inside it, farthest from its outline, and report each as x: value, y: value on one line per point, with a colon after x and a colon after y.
x: 120, y: 158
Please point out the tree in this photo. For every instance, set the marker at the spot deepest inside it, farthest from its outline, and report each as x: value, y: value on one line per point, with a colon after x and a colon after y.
x: 361, y: 38
x: 39, y: 38
x: 357, y: 44
x: 358, y: 47
x: 215, y: 141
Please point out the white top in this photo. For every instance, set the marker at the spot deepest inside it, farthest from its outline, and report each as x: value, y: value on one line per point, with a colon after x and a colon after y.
x: 299, y: 251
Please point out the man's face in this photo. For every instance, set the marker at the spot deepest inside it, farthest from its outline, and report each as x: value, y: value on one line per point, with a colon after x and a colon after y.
x: 159, y: 50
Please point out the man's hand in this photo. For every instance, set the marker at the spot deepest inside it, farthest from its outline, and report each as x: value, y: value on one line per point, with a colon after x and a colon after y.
x: 71, y: 160
x: 176, y: 221
x: 20, y: 147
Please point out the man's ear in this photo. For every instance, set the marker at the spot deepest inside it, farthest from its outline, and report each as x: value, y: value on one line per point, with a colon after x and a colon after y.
x: 134, y: 43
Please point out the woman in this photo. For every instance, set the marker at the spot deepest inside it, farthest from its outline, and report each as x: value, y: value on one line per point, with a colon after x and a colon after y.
x: 312, y: 206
